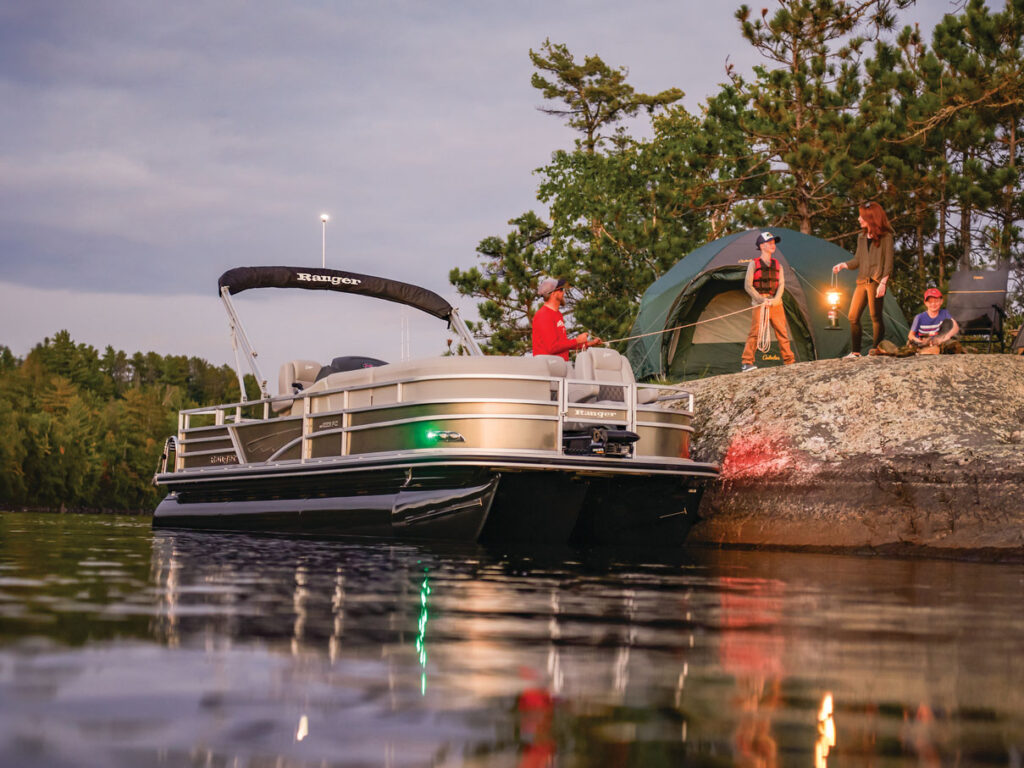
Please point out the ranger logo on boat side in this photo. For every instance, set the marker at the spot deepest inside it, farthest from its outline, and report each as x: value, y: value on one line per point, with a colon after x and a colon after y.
x: 587, y: 413
x: 306, y: 277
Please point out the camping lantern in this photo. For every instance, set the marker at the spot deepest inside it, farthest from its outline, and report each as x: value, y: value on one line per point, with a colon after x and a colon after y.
x: 833, y: 298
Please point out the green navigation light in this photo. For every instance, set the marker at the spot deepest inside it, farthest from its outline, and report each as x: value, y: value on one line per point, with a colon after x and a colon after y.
x: 444, y: 436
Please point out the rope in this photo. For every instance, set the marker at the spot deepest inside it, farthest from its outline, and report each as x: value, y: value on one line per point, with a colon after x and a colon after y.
x: 678, y: 327
x: 764, y: 339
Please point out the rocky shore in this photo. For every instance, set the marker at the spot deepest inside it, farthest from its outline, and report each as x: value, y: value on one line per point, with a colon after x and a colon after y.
x: 885, y: 454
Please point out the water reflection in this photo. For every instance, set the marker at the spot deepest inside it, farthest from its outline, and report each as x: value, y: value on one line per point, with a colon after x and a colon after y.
x: 421, y: 636
x: 535, y: 708
x: 751, y: 650
x: 119, y: 646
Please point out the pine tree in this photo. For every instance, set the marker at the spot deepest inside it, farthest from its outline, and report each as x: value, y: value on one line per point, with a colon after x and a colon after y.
x: 593, y: 96
x: 595, y: 209
x: 506, y: 283
x: 619, y: 214
x: 802, y: 105
x: 709, y: 168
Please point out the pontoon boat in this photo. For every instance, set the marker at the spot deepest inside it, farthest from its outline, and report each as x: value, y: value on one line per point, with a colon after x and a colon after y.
x: 470, y: 447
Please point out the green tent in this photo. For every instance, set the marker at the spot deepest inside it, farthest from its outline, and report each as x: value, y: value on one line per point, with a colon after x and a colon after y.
x: 694, y: 319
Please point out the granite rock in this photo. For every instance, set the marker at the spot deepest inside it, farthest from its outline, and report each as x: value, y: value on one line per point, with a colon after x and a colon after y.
x: 879, y: 453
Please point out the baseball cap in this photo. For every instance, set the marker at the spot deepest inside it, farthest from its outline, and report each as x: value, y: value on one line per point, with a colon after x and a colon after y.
x: 549, y: 285
x: 932, y: 293
x: 765, y: 237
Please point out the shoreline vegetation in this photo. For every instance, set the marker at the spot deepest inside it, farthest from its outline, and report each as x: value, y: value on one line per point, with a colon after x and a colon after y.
x: 83, y: 430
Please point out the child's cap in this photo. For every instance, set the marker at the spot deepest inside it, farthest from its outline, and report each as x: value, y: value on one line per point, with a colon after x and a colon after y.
x: 932, y: 293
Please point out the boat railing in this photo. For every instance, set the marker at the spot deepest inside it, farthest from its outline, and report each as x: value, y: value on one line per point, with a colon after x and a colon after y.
x: 166, y: 455
x: 365, y: 418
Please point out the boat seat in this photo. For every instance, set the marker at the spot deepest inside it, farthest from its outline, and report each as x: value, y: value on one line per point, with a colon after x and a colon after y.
x: 608, y: 370
x: 605, y: 375
x: 558, y: 368
x: 348, y: 363
x: 293, y: 377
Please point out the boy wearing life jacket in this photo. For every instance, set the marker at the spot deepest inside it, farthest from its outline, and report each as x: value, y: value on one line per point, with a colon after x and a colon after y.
x: 765, y: 283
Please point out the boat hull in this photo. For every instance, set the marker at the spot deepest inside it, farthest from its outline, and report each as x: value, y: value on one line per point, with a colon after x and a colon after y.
x: 468, y: 500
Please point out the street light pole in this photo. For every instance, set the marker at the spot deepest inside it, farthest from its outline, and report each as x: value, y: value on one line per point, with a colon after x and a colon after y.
x: 324, y: 218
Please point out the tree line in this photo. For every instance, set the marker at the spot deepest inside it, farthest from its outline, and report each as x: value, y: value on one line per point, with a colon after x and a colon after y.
x: 80, y: 429
x: 845, y: 106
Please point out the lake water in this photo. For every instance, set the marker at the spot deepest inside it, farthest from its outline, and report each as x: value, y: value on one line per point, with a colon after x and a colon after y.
x: 121, y: 646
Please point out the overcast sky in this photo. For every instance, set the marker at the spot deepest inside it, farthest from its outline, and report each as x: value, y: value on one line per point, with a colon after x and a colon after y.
x: 146, y: 147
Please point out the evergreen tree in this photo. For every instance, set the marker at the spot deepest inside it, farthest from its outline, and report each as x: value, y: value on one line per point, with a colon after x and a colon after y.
x: 174, y: 370
x: 210, y: 384
x: 13, y: 450
x: 593, y: 96
x: 802, y: 106
x: 617, y: 216
x: 66, y: 469
x: 980, y: 110
x: 507, y: 282
x: 951, y: 143
x: 78, y: 433
x: 79, y: 363
x: 598, y: 205
x: 709, y: 167
x: 8, y: 361
x: 115, y: 366
x: 898, y: 95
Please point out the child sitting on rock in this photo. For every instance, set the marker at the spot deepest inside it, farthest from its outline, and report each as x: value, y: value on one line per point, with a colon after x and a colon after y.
x: 933, y: 330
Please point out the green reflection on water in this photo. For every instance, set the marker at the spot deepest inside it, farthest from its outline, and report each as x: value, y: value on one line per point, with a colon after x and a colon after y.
x: 421, y: 634
x: 75, y: 579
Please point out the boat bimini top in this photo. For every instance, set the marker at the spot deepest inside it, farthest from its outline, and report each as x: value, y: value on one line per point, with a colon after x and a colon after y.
x: 318, y: 279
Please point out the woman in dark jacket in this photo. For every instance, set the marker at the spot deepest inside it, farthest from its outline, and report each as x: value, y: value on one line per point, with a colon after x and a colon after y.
x: 873, y: 262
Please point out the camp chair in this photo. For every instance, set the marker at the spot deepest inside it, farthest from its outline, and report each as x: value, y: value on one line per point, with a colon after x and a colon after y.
x: 976, y: 300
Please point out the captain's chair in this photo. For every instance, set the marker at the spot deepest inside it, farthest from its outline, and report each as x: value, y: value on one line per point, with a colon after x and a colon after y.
x: 294, y: 377
x: 606, y: 368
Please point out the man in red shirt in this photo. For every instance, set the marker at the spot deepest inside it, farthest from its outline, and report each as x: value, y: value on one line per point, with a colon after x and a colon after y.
x: 549, y: 336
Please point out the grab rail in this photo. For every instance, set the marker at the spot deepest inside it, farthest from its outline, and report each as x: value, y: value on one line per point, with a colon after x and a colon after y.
x: 220, y: 411
x: 170, y: 446
x: 569, y: 410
